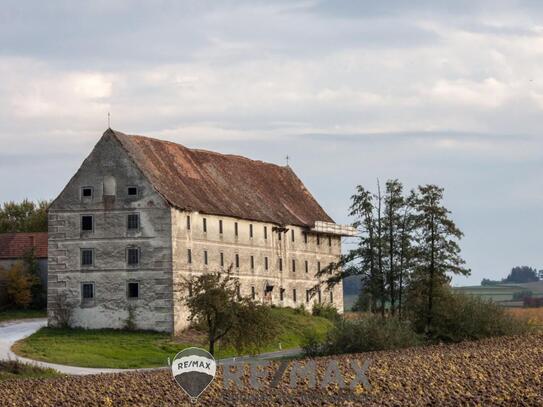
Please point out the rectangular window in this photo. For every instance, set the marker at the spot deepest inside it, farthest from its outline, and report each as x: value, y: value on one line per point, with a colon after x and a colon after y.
x: 265, y: 263
x: 87, y: 223
x: 306, y: 266
x: 133, y: 290
x: 87, y: 291
x: 204, y: 224
x: 318, y: 240
x: 279, y: 237
x: 237, y: 260
x: 294, y: 265
x: 205, y: 257
x: 86, y: 192
x: 253, y: 293
x: 188, y: 222
x: 331, y: 296
x: 305, y: 236
x: 306, y: 295
x: 133, y: 256
x: 265, y: 232
x: 330, y: 241
x: 294, y: 294
x: 87, y: 257
x: 132, y: 191
x: 292, y: 234
x: 252, y: 262
x: 220, y: 226
x: 189, y: 256
x: 236, y: 228
x: 222, y: 259
x: 281, y: 294
x: 133, y: 221
x: 251, y: 231
x: 280, y: 264
x: 318, y: 266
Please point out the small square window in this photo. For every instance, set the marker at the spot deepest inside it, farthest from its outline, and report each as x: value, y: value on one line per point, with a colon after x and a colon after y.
x: 87, y: 291
x: 87, y: 257
x: 133, y: 221
x: 132, y: 191
x: 86, y: 192
x: 133, y: 256
x: 86, y: 223
x: 133, y: 290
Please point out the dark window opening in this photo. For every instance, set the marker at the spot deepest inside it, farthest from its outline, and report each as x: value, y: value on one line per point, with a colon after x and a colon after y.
x: 132, y: 191
x: 222, y: 259
x: 86, y: 257
x: 294, y: 294
x: 204, y: 224
x: 86, y: 192
x: 205, y: 257
x: 318, y: 240
x: 292, y: 234
x: 251, y: 231
x: 133, y: 256
x: 265, y: 263
x: 220, y: 226
x: 306, y: 266
x: 306, y: 295
x: 253, y: 293
x: 236, y: 228
x: 330, y: 241
x: 281, y: 294
x: 305, y: 237
x: 190, y: 289
x: 280, y: 264
x: 237, y: 260
x: 252, y: 262
x: 189, y: 256
x: 133, y: 221
x: 319, y: 266
x: 188, y: 222
x: 87, y: 291
x: 133, y: 290
x: 265, y: 232
x: 331, y: 296
x: 319, y: 294
x: 279, y: 235
x: 293, y: 265
x: 86, y: 223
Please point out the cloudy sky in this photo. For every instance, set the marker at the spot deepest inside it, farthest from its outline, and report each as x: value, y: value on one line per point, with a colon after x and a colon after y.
x: 352, y: 91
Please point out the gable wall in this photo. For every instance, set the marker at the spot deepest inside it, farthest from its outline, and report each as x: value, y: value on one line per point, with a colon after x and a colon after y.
x: 109, y: 240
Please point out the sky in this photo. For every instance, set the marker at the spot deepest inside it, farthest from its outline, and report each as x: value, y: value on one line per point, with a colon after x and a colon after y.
x: 439, y: 92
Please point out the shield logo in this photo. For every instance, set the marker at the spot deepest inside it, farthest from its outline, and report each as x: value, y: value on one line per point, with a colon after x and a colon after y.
x: 193, y: 370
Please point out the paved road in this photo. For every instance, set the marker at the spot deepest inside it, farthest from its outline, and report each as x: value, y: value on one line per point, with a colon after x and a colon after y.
x: 11, y: 332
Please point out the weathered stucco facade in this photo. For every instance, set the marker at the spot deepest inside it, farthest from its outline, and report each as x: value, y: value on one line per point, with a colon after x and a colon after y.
x: 94, y: 273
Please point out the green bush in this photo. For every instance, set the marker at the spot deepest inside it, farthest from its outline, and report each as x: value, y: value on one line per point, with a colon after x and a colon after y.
x: 459, y: 317
x: 327, y: 311
x: 370, y: 333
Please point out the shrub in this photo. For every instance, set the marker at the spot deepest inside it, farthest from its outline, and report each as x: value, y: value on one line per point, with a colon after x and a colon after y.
x: 461, y: 317
x: 327, y: 311
x: 370, y: 333
x: 19, y: 285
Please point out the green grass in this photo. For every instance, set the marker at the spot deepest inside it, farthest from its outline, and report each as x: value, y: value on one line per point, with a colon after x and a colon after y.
x: 11, y: 369
x: 11, y: 314
x: 135, y: 349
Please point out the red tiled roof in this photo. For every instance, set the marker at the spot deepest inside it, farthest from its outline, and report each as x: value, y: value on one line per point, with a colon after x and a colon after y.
x: 219, y: 184
x: 15, y: 245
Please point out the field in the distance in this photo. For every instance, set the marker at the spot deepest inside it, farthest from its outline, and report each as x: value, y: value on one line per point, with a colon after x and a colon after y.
x: 499, y: 371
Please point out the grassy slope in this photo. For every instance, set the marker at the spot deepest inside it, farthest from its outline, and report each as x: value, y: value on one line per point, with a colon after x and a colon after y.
x: 125, y: 349
x: 15, y: 370
x: 12, y: 314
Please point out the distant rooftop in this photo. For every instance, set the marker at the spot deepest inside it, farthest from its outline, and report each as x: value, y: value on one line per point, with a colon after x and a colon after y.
x: 15, y: 245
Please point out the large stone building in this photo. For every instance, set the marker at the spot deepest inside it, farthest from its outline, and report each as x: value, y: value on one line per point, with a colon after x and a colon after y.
x: 141, y: 214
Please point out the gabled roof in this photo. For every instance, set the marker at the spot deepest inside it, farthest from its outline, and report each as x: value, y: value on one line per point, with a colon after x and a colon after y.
x: 16, y: 245
x: 220, y: 184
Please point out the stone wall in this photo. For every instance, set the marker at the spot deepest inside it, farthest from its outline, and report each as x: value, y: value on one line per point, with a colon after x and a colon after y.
x: 109, y: 168
x: 285, y: 250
